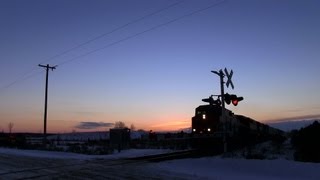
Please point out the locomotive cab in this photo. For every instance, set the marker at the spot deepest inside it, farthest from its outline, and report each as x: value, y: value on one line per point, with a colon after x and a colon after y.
x: 206, y: 119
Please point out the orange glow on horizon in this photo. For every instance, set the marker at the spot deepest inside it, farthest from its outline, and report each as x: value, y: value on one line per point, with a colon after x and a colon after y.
x: 156, y: 123
x: 173, y: 125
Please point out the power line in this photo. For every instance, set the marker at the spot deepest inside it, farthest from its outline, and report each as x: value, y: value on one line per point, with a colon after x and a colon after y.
x: 24, y: 76
x: 114, y: 30
x: 142, y: 32
x: 121, y: 40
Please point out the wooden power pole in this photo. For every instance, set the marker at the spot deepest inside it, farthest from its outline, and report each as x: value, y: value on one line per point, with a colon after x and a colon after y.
x: 47, y: 67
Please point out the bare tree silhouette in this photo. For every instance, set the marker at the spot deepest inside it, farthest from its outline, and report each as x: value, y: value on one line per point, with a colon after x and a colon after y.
x: 132, y: 127
x: 119, y: 125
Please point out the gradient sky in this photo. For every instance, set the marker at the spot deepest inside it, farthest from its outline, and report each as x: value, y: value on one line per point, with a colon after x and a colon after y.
x: 156, y: 79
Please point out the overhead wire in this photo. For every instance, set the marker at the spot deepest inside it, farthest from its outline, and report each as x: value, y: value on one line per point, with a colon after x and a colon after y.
x: 25, y: 76
x: 142, y: 32
x: 30, y: 73
x: 114, y: 30
x: 119, y: 41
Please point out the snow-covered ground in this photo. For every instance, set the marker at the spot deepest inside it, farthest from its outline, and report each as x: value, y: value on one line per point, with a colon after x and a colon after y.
x: 197, y: 168
x: 227, y: 168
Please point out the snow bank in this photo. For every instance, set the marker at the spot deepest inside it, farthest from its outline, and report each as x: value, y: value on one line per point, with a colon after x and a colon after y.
x: 199, y: 168
x: 224, y: 168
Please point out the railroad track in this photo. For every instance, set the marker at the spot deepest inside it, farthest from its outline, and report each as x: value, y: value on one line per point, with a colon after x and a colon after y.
x: 38, y: 172
x: 167, y: 156
x: 96, y: 168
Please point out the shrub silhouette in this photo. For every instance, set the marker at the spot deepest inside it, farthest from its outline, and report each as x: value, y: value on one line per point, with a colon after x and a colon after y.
x: 307, y: 143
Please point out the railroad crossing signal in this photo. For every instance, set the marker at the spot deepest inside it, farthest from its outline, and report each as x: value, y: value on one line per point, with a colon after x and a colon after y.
x: 232, y: 98
x: 229, y: 76
x: 222, y: 74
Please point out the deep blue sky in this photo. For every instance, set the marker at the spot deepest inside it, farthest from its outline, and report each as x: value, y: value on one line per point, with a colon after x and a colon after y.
x: 156, y: 79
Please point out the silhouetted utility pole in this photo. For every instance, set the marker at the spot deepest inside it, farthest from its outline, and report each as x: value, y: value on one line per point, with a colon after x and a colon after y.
x: 46, y: 101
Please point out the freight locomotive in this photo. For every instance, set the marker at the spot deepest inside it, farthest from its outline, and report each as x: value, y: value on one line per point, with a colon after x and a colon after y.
x: 208, y: 122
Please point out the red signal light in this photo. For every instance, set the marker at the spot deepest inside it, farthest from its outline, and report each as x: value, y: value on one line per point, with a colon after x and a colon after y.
x: 232, y: 98
x: 235, y: 102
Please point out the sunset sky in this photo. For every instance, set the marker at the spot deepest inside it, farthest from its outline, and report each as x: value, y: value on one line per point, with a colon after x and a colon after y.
x: 149, y: 62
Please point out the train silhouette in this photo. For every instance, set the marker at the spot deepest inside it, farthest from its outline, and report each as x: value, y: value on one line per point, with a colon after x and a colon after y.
x: 208, y: 122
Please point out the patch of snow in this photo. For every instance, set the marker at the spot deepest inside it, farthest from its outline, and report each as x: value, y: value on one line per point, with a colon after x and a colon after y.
x: 266, y: 150
x: 199, y: 168
x: 226, y: 168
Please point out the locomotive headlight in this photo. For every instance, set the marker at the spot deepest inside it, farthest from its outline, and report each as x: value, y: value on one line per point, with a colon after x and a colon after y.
x: 194, y: 130
x: 203, y: 116
x: 209, y: 129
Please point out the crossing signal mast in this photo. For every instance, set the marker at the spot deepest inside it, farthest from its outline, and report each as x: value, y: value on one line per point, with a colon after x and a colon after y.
x: 226, y: 98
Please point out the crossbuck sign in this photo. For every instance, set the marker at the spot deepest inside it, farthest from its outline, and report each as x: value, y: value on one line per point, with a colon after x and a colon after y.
x: 229, y: 76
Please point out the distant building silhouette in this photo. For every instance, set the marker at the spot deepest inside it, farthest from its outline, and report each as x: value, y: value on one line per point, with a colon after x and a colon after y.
x: 120, y: 138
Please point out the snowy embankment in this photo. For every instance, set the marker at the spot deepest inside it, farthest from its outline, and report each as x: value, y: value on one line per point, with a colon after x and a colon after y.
x: 227, y: 168
x: 199, y: 168
x: 277, y: 164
